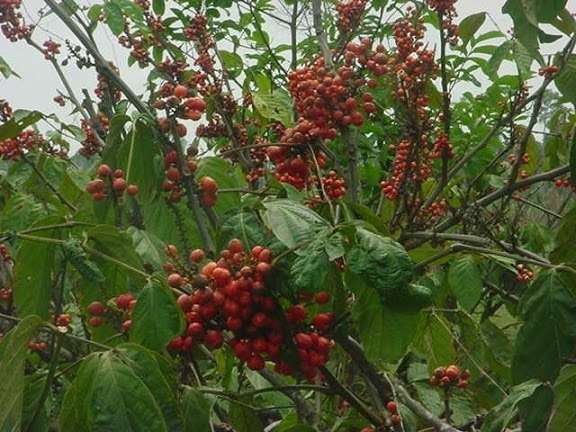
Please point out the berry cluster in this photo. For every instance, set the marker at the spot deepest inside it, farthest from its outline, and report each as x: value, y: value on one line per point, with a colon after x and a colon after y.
x: 59, y: 100
x: 28, y: 140
x: 447, y: 10
x: 349, y: 14
x: 208, y: 191
x: 91, y: 145
x: 411, y: 69
x: 232, y: 295
x: 6, y: 294
x: 523, y: 274
x: 563, y: 183
x: 178, y: 98
x: 334, y: 185
x: 62, y: 320
x: 51, y: 49
x: 392, y: 408
x: 442, y: 147
x: 450, y: 376
x: 37, y: 345
x: 5, y: 111
x: 12, y: 22
x: 548, y: 71
x: 116, y: 184
x: 125, y: 304
x: 96, y: 310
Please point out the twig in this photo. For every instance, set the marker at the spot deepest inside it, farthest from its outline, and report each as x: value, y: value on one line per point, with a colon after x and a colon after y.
x: 321, y: 33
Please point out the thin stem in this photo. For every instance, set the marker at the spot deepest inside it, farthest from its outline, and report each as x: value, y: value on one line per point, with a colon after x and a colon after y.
x: 49, y: 185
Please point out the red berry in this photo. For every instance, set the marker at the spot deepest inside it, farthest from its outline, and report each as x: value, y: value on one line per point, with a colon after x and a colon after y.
x: 452, y: 372
x: 119, y: 184
x: 255, y: 362
x: 96, y: 321
x: 104, y: 171
x: 392, y: 407
x: 180, y: 91
x: 235, y: 246
x: 132, y: 190
x: 322, y: 297
x: 123, y: 301
x: 96, y: 308
x: 396, y: 420
x: 175, y: 280
x: 197, y: 255
x: 213, y: 339
x: 208, y: 184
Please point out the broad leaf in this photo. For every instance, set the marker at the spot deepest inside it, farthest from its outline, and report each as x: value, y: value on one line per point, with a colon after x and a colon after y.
x: 107, y: 395
x: 470, y: 25
x: 434, y: 341
x: 465, y: 281
x: 293, y: 224
x: 382, y: 262
x: 196, y: 411
x: 500, y: 416
x: 276, y: 106
x: 564, y: 414
x: 13, y: 350
x: 156, y: 318
x: 548, y: 308
x: 114, y: 17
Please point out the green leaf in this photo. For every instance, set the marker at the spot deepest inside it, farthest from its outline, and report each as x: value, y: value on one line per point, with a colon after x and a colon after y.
x: 114, y: 17
x: 242, y: 224
x: 115, y: 243
x: 244, y: 419
x: 465, y: 281
x: 548, y: 334
x: 470, y: 25
x: 565, y: 79
x: 196, y: 411
x: 35, y: 264
x: 147, y: 366
x: 385, y: 332
x: 382, y: 262
x: 310, y: 269
x: 276, y: 105
x: 539, y: 11
x: 293, y: 224
x: 564, y: 415
x: 156, y: 318
x: 500, y: 416
x: 434, y: 341
x: 107, y: 395
x: 573, y: 161
x: 131, y: 10
x: 564, y: 252
x: 149, y: 247
x: 498, y: 57
x: 14, y: 126
x: 232, y: 62
x: 158, y: 6
x: 6, y: 70
x: 13, y: 350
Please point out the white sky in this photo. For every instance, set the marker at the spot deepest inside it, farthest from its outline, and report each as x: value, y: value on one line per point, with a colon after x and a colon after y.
x: 39, y: 81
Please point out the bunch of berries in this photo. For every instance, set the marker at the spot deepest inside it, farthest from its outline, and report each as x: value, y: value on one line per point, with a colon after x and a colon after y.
x: 13, y: 148
x: 231, y: 295
x: 334, y: 185
x: 450, y: 376
x: 349, y: 14
x: 111, y: 181
x: 96, y: 311
x: 524, y: 274
x: 91, y: 145
x: 179, y: 99
x: 11, y: 21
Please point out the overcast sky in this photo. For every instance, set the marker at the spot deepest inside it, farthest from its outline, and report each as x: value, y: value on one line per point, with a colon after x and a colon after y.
x: 39, y: 81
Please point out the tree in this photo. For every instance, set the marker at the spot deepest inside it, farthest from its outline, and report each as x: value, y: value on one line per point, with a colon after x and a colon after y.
x: 307, y: 236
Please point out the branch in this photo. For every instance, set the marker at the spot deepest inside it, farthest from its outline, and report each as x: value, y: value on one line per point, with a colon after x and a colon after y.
x: 101, y: 62
x: 320, y: 33
x: 419, y: 409
x: 46, y: 182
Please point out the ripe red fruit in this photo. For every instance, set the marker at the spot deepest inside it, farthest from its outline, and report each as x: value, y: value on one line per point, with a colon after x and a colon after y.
x: 119, y: 184
x: 452, y: 372
x: 171, y: 251
x: 263, y: 268
x: 63, y: 320
x: 392, y: 407
x: 255, y: 362
x: 213, y: 339
x: 181, y: 130
x: 395, y: 419
x: 103, y: 171
x: 95, y: 321
x: 175, y: 280
x: 193, y: 115
x: 322, y: 321
x: 322, y: 297
x: 184, y: 302
x: 95, y: 186
x: 221, y: 276
x: 265, y: 255
x: 123, y: 301
x: 132, y: 190
x: 96, y: 308
x: 176, y: 344
x: 99, y: 196
x: 173, y: 174
x: 259, y: 320
x: 196, y: 104
x: 195, y: 329
x: 118, y: 173
x: 235, y: 246
x: 208, y: 185
x: 304, y: 340
x: 196, y: 255
x: 180, y: 91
